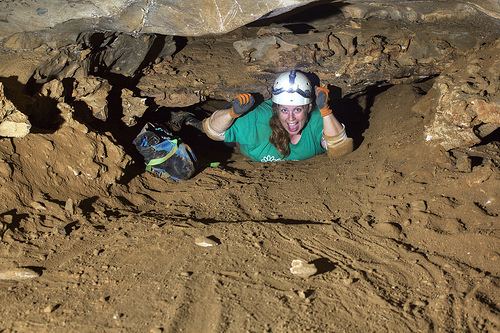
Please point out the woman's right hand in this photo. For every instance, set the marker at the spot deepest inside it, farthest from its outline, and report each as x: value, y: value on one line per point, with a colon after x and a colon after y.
x: 242, y: 103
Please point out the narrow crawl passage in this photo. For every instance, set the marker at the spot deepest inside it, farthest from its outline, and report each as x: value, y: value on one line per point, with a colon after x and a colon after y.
x: 388, y: 232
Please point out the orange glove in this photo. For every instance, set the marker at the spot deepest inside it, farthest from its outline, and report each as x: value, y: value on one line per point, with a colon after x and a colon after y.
x: 322, y: 101
x: 241, y: 104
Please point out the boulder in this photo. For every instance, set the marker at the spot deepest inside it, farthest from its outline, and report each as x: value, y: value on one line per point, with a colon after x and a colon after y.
x: 124, y: 54
x: 13, y: 123
x: 133, y: 107
x: 463, y: 106
x: 94, y: 92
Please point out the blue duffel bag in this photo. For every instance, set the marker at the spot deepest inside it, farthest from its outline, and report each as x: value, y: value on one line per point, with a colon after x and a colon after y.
x: 164, y: 154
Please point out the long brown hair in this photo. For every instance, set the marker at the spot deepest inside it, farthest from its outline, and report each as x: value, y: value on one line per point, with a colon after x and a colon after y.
x: 279, y: 136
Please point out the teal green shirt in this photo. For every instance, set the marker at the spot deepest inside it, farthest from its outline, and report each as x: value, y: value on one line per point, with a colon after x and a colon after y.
x: 252, y: 132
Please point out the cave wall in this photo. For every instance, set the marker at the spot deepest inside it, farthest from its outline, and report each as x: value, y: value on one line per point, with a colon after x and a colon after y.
x: 84, y: 53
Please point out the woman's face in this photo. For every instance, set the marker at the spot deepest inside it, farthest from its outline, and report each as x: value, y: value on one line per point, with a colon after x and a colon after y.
x: 293, y: 117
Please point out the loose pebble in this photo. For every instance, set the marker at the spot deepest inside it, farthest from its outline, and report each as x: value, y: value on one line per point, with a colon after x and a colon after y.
x: 388, y: 229
x: 347, y: 281
x: 205, y: 242
x: 38, y: 206
x: 419, y: 303
x: 307, y: 295
x: 50, y: 308
x: 419, y: 205
x: 17, y: 274
x: 302, y: 269
x: 69, y: 206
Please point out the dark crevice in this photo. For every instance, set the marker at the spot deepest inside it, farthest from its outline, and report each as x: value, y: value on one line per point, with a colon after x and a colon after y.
x: 311, y: 12
x: 41, y: 111
x: 353, y: 114
x: 492, y: 137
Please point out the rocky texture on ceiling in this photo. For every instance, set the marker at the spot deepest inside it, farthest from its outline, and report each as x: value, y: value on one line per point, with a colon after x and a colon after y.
x: 196, y: 17
x: 350, y: 46
x: 168, y: 17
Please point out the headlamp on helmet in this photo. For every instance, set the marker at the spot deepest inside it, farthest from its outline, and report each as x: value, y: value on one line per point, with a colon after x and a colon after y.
x: 292, y: 88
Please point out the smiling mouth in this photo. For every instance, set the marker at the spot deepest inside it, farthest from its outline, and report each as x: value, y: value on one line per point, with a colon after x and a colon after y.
x: 293, y: 127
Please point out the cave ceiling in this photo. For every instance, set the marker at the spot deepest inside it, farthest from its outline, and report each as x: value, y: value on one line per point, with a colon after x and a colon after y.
x: 188, y: 18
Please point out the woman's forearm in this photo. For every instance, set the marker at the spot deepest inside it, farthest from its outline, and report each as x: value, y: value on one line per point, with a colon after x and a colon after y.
x: 221, y: 120
x: 331, y: 126
x: 335, y: 139
x: 215, y: 125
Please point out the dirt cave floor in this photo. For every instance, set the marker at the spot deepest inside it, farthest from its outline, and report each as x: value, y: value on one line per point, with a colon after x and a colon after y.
x: 403, y: 242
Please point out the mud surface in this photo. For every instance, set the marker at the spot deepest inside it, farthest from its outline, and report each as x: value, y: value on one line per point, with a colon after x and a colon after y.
x: 402, y: 240
x: 400, y: 236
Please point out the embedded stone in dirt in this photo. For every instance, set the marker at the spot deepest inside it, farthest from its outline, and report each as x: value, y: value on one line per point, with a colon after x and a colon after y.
x: 419, y: 205
x: 206, y: 241
x: 133, y: 107
x: 13, y: 123
x: 17, y: 274
x: 69, y: 206
x: 388, y: 229
x: 303, y: 269
x: 51, y: 308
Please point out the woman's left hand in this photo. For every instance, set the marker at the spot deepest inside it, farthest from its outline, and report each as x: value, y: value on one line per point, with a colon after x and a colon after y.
x: 322, y: 100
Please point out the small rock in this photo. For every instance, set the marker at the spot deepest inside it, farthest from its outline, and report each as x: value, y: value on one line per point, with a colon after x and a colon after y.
x: 388, y: 229
x: 307, y: 294
x: 347, y: 281
x: 51, y: 308
x: 302, y: 269
x: 38, y: 205
x: 479, y: 175
x: 463, y: 164
x: 156, y: 330
x: 419, y: 205
x: 8, y: 219
x: 407, y: 222
x: 186, y: 274
x: 17, y: 274
x: 69, y: 206
x: 206, y: 241
x: 420, y: 303
x: 7, y: 237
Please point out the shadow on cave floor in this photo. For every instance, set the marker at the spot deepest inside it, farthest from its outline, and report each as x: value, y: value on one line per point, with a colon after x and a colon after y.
x: 42, y: 111
x: 297, y: 20
x: 206, y: 150
x: 354, y: 112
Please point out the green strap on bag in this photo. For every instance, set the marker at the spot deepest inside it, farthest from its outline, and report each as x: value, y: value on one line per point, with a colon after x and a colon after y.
x: 156, y: 161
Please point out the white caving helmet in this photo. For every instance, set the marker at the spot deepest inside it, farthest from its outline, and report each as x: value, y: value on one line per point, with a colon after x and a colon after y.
x: 292, y: 88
